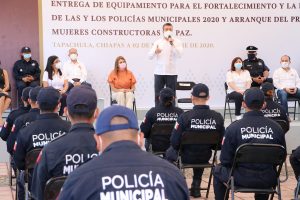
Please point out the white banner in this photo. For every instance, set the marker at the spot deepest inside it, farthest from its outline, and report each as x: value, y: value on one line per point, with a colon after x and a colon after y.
x: 212, y: 32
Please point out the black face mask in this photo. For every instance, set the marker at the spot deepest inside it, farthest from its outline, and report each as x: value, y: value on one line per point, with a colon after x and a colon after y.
x: 251, y: 56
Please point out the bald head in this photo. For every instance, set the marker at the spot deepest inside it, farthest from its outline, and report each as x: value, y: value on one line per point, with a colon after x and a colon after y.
x: 285, y: 58
x: 73, y: 51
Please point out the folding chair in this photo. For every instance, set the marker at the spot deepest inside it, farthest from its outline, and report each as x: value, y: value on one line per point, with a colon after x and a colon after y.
x: 272, y: 154
x: 184, y: 86
x: 53, y: 187
x: 212, y: 138
x: 112, y: 102
x: 285, y: 127
x: 227, y: 109
x: 160, y: 138
x: 30, y: 161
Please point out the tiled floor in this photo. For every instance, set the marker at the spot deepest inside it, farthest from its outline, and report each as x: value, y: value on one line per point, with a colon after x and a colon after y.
x: 287, y: 188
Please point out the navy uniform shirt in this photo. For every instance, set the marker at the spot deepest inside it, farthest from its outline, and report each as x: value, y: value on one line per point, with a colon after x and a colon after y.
x: 22, y: 68
x: 6, y: 129
x: 124, y: 171
x: 275, y: 111
x: 63, y: 155
x: 160, y: 115
x: 44, y: 129
x: 255, y: 67
x: 20, y: 122
x: 200, y: 119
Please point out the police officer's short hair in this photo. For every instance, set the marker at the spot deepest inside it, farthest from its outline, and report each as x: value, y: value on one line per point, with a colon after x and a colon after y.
x: 81, y: 115
x: 46, y: 107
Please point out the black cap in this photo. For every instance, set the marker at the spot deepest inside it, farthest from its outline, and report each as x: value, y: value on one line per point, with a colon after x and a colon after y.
x: 251, y: 48
x: 34, y: 93
x: 48, y: 96
x: 254, y: 96
x: 25, y: 50
x: 200, y: 90
x: 166, y: 94
x: 265, y: 87
x: 84, y: 96
x: 25, y: 93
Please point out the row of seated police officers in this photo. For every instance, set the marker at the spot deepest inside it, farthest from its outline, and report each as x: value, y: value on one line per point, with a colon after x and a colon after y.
x: 122, y: 167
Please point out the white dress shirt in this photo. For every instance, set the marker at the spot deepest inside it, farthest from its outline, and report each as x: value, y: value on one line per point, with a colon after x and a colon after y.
x: 74, y: 70
x: 57, y: 81
x: 286, y: 79
x: 166, y: 59
x: 239, y: 79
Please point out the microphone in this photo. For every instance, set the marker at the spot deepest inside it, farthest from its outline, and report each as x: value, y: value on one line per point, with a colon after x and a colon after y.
x: 171, y: 42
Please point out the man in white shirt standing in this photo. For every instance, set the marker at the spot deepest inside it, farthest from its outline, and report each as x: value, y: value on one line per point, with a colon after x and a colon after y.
x: 287, y: 82
x: 166, y: 51
x: 74, y: 70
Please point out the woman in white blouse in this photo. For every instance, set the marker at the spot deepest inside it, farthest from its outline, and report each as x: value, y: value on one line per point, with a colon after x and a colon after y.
x: 238, y: 80
x: 54, y: 77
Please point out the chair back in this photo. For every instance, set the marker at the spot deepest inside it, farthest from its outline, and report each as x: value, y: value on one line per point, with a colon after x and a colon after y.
x: 254, y: 153
x: 53, y: 187
x: 185, y: 85
x: 31, y: 157
x: 284, y: 125
x: 160, y: 136
x: 201, y: 138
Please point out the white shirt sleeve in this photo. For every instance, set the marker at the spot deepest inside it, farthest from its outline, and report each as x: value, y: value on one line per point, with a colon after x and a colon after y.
x: 276, y: 79
x: 297, y: 79
x: 66, y: 72
x: 229, y: 77
x: 45, y: 76
x: 83, y: 73
x: 151, y: 53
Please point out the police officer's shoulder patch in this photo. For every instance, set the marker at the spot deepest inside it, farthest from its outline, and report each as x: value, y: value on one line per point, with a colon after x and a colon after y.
x: 33, y: 64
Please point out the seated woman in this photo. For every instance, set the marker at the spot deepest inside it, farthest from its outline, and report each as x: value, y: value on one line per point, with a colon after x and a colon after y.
x: 4, y: 97
x: 122, y: 83
x: 238, y: 80
x: 54, y: 77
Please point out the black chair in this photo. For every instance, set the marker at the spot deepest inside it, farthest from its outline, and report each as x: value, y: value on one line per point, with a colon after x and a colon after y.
x: 53, y: 187
x: 212, y: 138
x: 30, y: 161
x: 285, y: 127
x: 227, y: 108
x: 160, y: 138
x: 112, y: 102
x: 184, y: 86
x: 272, y: 154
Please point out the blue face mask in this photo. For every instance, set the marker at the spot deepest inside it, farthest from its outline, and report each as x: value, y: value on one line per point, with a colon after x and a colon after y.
x: 27, y: 56
x: 238, y: 65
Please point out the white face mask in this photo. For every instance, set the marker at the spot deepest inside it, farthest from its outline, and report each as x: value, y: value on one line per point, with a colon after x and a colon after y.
x: 122, y: 66
x: 168, y: 34
x: 73, y: 56
x: 285, y: 64
x: 58, y: 65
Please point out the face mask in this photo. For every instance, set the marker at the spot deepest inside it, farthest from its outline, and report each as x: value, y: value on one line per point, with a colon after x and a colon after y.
x: 285, y: 64
x: 238, y: 65
x: 122, y: 65
x: 27, y: 56
x: 251, y: 56
x: 73, y: 56
x: 58, y: 65
x: 168, y: 34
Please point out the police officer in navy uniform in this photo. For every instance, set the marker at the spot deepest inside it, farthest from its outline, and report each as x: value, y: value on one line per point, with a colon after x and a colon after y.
x: 273, y: 110
x: 200, y: 119
x: 257, y: 68
x: 164, y: 113
x: 252, y: 128
x: 295, y: 162
x: 123, y: 170
x: 24, y: 120
x: 6, y: 129
x: 26, y: 71
x: 64, y: 154
x: 44, y: 129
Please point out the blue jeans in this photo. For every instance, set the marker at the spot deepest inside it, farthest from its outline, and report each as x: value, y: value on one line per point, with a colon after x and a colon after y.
x: 283, y: 96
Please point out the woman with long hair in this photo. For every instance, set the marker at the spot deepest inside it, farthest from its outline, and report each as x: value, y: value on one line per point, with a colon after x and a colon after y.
x: 53, y: 77
x: 5, y: 99
x: 122, y: 83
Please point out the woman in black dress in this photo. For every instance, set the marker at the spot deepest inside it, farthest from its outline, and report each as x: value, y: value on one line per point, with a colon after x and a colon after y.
x: 5, y: 99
